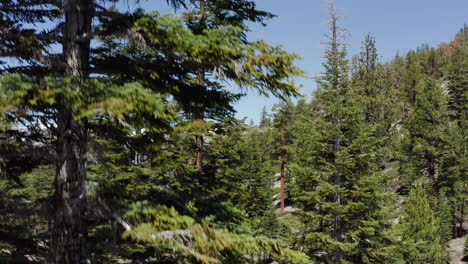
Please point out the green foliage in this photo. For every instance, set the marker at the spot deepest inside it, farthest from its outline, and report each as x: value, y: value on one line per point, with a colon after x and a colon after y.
x: 420, y: 236
x: 351, y: 155
x: 166, y: 230
x: 97, y: 98
x: 23, y: 224
x: 445, y: 215
x: 337, y: 159
x: 458, y: 78
x: 239, y: 167
x: 257, y: 64
x: 425, y: 124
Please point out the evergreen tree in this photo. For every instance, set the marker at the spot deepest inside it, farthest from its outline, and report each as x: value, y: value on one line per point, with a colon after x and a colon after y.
x: 283, y: 122
x: 454, y: 156
x: 146, y: 164
x: 239, y: 160
x: 420, y: 234
x: 458, y: 78
x: 213, y: 69
x: 75, y: 97
x: 336, y: 186
x: 425, y: 126
x: 265, y: 121
x: 453, y: 177
x: 445, y: 216
x: 373, y: 87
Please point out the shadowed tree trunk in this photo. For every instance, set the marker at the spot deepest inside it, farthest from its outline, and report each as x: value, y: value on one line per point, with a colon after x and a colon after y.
x: 284, y: 122
x: 199, y: 140
x: 336, y: 86
x: 199, y: 113
x: 68, y: 228
x: 282, y: 164
x: 282, y: 195
x: 200, y: 145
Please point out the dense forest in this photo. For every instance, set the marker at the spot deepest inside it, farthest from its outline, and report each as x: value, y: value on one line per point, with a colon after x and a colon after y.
x: 118, y: 141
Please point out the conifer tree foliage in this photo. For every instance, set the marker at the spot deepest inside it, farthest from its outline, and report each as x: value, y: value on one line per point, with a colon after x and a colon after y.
x: 58, y: 96
x: 208, y: 15
x: 330, y: 97
x: 241, y: 157
x: 283, y: 122
x: 421, y: 240
x: 265, y: 121
x: 426, y: 125
x: 69, y: 99
x: 453, y: 172
x: 458, y: 76
x: 370, y: 82
x: 185, y: 240
x: 145, y: 163
x: 208, y: 53
x: 337, y: 188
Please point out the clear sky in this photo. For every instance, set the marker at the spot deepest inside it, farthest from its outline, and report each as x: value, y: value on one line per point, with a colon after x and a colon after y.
x: 398, y: 25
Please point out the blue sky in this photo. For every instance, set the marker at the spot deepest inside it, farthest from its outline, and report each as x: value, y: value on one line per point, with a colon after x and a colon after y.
x: 398, y: 25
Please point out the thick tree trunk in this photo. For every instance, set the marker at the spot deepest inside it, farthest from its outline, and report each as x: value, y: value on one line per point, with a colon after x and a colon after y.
x: 68, y: 229
x: 67, y: 226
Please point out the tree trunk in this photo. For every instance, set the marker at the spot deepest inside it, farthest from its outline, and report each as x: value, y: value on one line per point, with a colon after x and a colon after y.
x: 68, y: 229
x: 67, y: 226
x: 432, y: 172
x: 283, y: 152
x: 282, y: 195
x: 199, y: 142
x: 200, y: 115
x: 338, y: 230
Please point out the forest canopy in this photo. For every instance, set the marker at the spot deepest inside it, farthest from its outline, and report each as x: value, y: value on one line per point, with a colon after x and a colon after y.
x: 119, y: 143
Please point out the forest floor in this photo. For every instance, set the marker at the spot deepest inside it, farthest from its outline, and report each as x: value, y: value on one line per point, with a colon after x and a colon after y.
x: 456, y: 250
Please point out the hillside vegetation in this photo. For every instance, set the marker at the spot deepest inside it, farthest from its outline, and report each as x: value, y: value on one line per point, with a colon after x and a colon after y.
x: 121, y: 146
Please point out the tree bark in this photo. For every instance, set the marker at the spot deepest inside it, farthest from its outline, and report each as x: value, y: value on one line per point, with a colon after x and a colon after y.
x: 282, y: 192
x: 199, y: 113
x: 67, y: 225
x: 338, y: 229
x: 283, y: 153
x: 432, y: 172
x: 200, y: 144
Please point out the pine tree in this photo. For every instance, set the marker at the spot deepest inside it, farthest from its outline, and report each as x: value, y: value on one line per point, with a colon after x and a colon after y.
x: 60, y: 95
x: 420, y: 230
x: 458, y: 78
x: 265, y: 121
x: 425, y: 124
x: 336, y: 185
x: 369, y: 80
x: 215, y: 68
x: 454, y: 157
x: 240, y: 158
x: 77, y: 95
x: 68, y: 230
x: 452, y: 178
x: 283, y: 122
x: 445, y: 215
